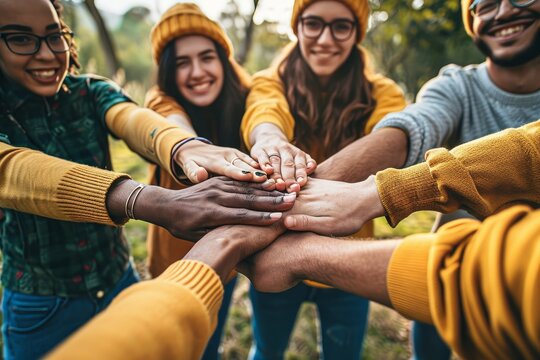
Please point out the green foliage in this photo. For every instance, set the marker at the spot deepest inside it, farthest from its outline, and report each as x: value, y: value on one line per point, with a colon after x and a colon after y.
x: 411, y: 40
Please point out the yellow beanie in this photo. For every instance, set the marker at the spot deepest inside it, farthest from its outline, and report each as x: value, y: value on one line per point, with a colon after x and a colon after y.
x: 186, y: 19
x: 467, y: 16
x: 360, y: 9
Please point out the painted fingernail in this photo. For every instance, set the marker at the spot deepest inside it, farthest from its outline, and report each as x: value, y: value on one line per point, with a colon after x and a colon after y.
x: 300, y: 179
x: 280, y: 181
x: 276, y: 216
x: 289, y: 198
x: 245, y: 172
x: 260, y: 173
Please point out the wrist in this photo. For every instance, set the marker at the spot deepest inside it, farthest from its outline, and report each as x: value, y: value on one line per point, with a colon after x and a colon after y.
x: 178, y: 160
x: 267, y: 132
x: 367, y: 200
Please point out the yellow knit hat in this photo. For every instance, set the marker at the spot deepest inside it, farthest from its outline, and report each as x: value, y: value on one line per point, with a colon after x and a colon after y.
x: 360, y: 9
x: 467, y: 16
x: 186, y: 19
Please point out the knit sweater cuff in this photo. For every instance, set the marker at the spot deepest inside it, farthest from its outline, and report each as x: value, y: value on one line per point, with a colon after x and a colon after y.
x: 199, y: 278
x: 407, y: 277
x: 82, y: 194
x: 405, y: 191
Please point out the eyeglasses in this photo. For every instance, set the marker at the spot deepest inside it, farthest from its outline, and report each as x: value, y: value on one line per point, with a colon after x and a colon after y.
x: 341, y: 29
x: 487, y: 9
x: 29, y: 44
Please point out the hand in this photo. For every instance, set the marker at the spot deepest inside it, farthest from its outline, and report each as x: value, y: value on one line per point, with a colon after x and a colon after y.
x: 334, y: 208
x: 223, y: 248
x: 190, y: 213
x: 198, y: 160
x: 288, y: 165
x: 279, y: 266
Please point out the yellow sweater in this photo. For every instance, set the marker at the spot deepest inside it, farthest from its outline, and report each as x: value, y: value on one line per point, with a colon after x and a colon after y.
x: 477, y: 282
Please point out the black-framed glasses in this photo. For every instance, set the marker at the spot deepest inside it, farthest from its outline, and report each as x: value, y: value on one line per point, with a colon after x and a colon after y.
x: 341, y: 29
x: 21, y: 43
x: 487, y: 9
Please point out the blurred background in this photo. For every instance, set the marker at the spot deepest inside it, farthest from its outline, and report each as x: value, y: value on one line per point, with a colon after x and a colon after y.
x: 409, y: 42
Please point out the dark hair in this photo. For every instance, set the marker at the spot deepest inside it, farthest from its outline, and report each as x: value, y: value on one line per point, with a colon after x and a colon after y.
x: 219, y: 122
x: 333, y: 116
x: 74, y: 63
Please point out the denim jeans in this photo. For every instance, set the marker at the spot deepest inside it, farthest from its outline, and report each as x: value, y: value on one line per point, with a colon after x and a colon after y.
x: 427, y: 344
x: 212, y: 349
x: 33, y: 324
x: 343, y: 318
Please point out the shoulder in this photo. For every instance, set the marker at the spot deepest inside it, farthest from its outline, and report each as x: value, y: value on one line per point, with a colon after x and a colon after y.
x: 457, y: 72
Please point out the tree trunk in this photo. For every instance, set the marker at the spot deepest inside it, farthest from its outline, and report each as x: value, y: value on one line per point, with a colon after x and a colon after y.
x: 248, y: 38
x: 113, y: 64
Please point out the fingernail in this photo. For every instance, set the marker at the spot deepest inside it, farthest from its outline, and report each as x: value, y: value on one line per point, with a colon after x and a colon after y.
x: 260, y: 173
x: 280, y: 181
x: 289, y: 198
x: 290, y: 222
x: 300, y: 179
x: 245, y: 172
x: 276, y: 216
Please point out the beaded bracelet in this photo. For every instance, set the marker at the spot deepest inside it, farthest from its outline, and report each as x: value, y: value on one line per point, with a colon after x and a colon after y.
x: 130, y: 209
x: 176, y: 169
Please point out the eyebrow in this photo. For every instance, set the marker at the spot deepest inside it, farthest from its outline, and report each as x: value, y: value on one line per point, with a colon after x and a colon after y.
x: 18, y: 27
x: 202, y: 53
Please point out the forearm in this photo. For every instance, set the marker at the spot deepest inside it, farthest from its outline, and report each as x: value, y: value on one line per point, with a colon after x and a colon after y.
x: 384, y: 148
x: 482, y: 176
x: 172, y: 316
x: 145, y: 132
x: 43, y: 185
x: 359, y: 267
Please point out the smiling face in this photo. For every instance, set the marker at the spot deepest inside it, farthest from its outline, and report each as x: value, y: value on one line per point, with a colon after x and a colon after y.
x: 324, y: 54
x: 511, y: 38
x: 199, y: 72
x: 43, y: 72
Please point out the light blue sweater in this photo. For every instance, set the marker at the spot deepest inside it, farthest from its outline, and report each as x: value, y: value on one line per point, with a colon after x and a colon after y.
x: 459, y: 105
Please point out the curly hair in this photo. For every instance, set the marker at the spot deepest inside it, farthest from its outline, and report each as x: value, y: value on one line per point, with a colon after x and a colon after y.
x: 74, y: 63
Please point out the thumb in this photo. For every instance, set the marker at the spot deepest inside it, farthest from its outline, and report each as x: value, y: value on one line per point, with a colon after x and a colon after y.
x: 194, y: 172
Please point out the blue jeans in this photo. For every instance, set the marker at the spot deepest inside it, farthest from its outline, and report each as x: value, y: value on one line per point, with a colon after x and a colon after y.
x: 343, y: 317
x: 212, y: 349
x: 427, y: 344
x: 33, y: 324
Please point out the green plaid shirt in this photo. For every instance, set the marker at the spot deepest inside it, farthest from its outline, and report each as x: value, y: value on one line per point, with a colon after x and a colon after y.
x: 43, y: 256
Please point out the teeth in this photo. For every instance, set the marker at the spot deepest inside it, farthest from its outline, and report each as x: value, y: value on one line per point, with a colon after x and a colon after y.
x: 509, y: 31
x: 201, y: 86
x: 43, y: 73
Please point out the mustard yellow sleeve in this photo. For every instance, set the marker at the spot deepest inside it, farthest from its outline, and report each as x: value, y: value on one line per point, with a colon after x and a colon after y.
x: 163, y: 104
x: 170, y: 317
x: 387, y: 94
x: 145, y: 132
x: 36, y: 183
x: 482, y: 281
x: 266, y: 103
x: 482, y: 176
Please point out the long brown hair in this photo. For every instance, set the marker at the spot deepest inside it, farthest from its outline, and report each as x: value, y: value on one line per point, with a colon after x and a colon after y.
x: 333, y: 116
x: 74, y: 63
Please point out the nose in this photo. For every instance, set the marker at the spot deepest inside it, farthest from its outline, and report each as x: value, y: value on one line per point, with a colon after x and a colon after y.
x: 505, y: 10
x: 44, y: 52
x: 326, y: 36
x: 197, y: 69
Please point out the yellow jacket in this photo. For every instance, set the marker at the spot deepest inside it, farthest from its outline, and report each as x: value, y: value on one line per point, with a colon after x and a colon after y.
x: 477, y: 282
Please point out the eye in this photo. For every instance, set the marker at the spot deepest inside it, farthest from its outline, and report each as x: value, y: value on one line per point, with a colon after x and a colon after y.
x: 312, y: 24
x: 342, y: 26
x: 486, y: 6
x: 20, y: 39
x: 181, y: 64
x: 208, y: 58
x: 55, y: 39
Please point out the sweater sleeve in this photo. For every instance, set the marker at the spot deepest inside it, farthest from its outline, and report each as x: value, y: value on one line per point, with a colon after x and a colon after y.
x: 388, y: 95
x: 266, y: 103
x: 432, y: 120
x: 481, y: 280
x: 36, y: 183
x: 145, y: 132
x: 170, y: 317
x: 164, y: 105
x: 482, y: 176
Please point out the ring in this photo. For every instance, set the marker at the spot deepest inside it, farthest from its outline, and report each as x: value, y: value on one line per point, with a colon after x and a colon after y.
x: 236, y: 158
x: 274, y: 154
